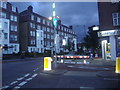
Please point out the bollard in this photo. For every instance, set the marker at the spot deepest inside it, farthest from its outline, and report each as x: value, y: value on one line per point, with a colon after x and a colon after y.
x: 85, y: 62
x: 117, y: 65
x: 47, y: 63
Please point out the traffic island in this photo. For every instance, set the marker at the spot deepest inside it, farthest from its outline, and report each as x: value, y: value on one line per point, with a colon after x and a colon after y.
x: 54, y: 72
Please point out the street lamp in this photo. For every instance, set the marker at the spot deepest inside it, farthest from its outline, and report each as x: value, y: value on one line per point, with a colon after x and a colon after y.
x: 54, y: 19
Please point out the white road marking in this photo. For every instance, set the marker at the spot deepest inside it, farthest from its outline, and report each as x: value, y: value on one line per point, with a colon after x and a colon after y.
x: 70, y: 66
x: 5, y: 87
x: 20, y: 78
x: 27, y: 75
x: 22, y: 83
x: 17, y: 87
x: 34, y: 75
x: 29, y: 79
x: 13, y: 82
x: 36, y: 69
x: 111, y: 79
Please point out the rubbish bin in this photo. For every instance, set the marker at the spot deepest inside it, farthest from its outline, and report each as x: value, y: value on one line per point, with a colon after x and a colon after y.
x: 47, y: 63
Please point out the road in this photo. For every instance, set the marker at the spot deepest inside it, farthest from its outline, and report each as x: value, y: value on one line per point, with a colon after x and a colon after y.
x: 29, y: 74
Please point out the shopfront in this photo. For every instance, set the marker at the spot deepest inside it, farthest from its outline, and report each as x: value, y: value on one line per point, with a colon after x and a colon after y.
x: 110, y: 43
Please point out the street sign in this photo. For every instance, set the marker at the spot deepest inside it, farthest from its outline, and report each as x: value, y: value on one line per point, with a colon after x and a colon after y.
x: 54, y: 21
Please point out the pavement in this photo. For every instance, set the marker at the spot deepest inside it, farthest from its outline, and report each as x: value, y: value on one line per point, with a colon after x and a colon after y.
x: 104, y: 68
x: 54, y: 72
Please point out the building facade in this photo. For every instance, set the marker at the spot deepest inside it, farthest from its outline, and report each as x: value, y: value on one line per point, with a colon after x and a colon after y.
x: 9, y: 28
x: 109, y: 19
x: 35, y: 29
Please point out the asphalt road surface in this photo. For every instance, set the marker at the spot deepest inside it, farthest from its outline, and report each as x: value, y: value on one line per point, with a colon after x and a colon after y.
x: 29, y: 74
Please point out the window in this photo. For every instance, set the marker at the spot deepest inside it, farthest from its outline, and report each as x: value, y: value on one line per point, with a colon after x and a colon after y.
x: 41, y: 42
x: 5, y: 36
x: 48, y: 29
x: 51, y: 24
x: 32, y: 17
x: 12, y: 28
x: 15, y: 28
x: 4, y: 5
x: 30, y: 33
x: 11, y: 18
x: 3, y: 15
x: 15, y: 18
x: 58, y: 26
x: 38, y: 19
x: 5, y: 25
x: 43, y: 21
x: 32, y: 25
x: 33, y: 33
x: 38, y: 27
x: 13, y: 9
x: 48, y: 23
x: 15, y: 47
x: 116, y: 19
x: 41, y: 34
x: 32, y: 41
x: 15, y: 38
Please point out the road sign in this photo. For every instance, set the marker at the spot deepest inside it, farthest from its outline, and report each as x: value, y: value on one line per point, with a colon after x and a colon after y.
x: 54, y: 21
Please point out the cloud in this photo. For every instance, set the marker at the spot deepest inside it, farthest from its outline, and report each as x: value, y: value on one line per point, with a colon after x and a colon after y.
x: 71, y: 13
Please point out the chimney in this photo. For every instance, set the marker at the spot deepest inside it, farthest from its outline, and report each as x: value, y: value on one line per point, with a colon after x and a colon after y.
x: 59, y: 21
x: 70, y: 27
x: 30, y: 8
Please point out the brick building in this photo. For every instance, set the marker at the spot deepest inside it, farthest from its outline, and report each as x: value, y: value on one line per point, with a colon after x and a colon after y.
x: 109, y: 19
x: 31, y: 23
x: 9, y: 28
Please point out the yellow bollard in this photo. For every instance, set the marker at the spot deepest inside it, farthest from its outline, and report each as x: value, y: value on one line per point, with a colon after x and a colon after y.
x: 117, y: 65
x: 47, y: 63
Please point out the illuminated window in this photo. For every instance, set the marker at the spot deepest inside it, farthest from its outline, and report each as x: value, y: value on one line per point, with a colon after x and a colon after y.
x: 15, y: 28
x: 38, y: 19
x: 44, y: 21
x: 4, y: 5
x: 11, y: 18
x: 32, y: 17
x: 3, y: 15
x: 13, y: 9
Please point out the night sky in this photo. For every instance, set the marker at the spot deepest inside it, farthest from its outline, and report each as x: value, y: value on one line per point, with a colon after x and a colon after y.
x: 71, y: 13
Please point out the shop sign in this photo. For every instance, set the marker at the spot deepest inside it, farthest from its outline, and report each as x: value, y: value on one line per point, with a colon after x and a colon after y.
x: 108, y: 33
